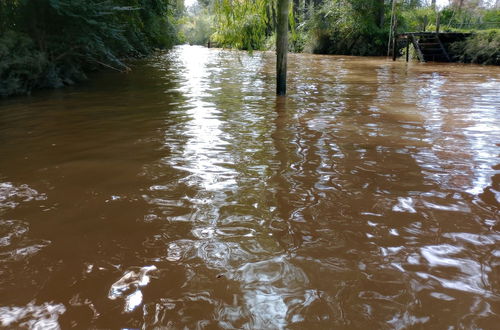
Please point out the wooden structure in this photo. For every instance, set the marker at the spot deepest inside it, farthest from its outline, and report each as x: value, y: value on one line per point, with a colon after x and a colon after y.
x: 429, y: 46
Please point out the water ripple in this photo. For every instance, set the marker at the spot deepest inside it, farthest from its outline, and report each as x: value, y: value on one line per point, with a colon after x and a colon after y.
x: 32, y: 316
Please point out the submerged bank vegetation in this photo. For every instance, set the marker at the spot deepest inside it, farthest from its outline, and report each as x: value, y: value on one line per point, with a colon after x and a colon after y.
x: 53, y: 43
x: 483, y: 48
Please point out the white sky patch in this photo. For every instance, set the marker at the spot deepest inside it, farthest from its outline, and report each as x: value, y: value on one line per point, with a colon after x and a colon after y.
x: 439, y: 3
x: 188, y: 3
x: 442, y: 3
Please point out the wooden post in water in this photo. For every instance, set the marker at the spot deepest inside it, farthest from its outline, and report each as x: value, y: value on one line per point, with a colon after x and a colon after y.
x: 394, y: 39
x: 394, y: 47
x: 391, y: 31
x: 437, y: 22
x: 407, y: 48
x: 282, y: 46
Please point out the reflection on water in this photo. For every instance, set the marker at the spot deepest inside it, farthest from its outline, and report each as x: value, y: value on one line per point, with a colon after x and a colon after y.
x: 11, y: 196
x: 32, y: 316
x: 185, y: 194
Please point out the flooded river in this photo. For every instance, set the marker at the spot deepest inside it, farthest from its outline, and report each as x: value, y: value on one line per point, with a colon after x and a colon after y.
x: 186, y: 195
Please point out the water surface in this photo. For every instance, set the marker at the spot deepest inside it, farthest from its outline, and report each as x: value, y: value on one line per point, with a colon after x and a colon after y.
x: 186, y: 195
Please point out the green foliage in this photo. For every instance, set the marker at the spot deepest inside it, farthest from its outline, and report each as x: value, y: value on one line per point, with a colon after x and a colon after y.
x: 469, y: 19
x: 56, y: 41
x: 417, y: 19
x: 196, y: 30
x: 491, y: 17
x: 482, y: 48
x: 347, y: 27
x: 451, y: 19
x: 21, y: 64
x: 243, y: 24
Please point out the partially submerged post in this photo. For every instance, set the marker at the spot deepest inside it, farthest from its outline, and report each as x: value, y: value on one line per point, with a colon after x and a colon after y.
x: 407, y: 48
x: 282, y: 46
x: 391, y: 31
x: 394, y: 39
x: 437, y: 22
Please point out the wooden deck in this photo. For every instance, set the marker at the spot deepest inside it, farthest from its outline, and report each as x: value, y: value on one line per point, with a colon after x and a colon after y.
x: 429, y: 46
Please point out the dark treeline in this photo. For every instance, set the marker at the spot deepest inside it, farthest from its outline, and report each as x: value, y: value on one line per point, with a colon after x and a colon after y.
x: 52, y: 43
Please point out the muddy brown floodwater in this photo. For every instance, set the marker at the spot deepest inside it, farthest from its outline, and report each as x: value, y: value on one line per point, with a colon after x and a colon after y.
x: 186, y: 195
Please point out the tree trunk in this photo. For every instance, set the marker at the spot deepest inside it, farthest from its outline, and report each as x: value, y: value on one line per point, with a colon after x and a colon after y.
x: 282, y: 46
x: 379, y: 13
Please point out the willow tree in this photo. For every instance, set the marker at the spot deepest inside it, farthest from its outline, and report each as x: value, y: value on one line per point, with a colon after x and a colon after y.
x: 243, y: 24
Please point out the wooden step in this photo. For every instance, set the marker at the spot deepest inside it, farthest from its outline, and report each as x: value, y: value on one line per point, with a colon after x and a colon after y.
x: 429, y: 46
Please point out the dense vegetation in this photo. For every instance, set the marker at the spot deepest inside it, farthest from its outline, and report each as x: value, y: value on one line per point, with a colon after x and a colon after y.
x: 483, y: 48
x: 352, y: 27
x: 52, y: 43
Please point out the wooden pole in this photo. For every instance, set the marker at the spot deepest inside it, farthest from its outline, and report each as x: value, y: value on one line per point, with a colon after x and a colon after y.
x: 394, y: 40
x: 407, y: 48
x: 394, y: 48
x: 282, y: 46
x: 391, y: 31
x: 438, y: 23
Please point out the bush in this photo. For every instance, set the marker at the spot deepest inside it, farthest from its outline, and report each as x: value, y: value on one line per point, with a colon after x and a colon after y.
x: 416, y: 19
x: 346, y: 27
x: 21, y: 65
x: 483, y: 48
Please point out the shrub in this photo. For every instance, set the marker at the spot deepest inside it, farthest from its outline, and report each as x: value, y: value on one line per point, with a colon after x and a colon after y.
x: 348, y: 27
x: 21, y: 66
x: 483, y: 48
